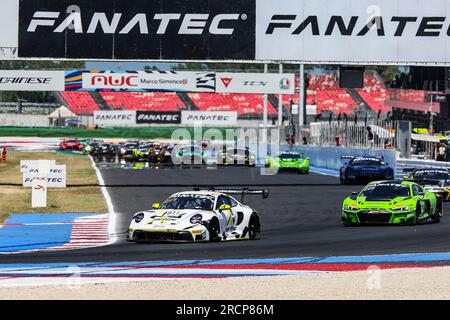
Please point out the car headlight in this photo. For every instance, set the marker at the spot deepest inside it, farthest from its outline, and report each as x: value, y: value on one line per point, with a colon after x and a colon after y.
x: 196, y: 219
x: 400, y: 209
x: 138, y: 217
x: 352, y: 207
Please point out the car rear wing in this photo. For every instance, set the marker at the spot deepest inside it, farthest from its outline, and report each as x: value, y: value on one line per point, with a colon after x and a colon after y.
x: 428, y: 182
x: 347, y: 158
x: 241, y: 191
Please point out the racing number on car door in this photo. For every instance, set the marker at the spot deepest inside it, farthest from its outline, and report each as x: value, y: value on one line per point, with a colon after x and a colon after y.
x: 228, y: 216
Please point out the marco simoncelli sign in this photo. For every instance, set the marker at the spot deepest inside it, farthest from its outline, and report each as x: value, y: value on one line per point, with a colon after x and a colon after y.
x: 18, y: 80
x: 117, y: 118
x: 268, y: 83
x: 158, y: 117
x: 169, y: 81
x: 209, y: 118
x: 136, y: 29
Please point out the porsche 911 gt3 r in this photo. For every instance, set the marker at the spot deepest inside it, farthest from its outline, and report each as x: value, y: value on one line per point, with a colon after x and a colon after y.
x: 198, y: 216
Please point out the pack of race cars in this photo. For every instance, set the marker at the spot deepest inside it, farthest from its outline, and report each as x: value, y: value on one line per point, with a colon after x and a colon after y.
x: 214, y: 215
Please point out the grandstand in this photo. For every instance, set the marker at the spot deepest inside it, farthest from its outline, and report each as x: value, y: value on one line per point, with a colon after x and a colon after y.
x: 323, y: 91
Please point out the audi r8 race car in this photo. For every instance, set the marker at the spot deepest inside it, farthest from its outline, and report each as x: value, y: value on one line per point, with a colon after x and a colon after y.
x: 364, y: 169
x: 432, y: 179
x: 70, y: 144
x: 289, y: 161
x: 198, y: 216
x: 392, y: 202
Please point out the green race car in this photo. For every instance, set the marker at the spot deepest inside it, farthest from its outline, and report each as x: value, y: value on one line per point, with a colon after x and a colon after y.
x: 392, y: 202
x: 289, y: 161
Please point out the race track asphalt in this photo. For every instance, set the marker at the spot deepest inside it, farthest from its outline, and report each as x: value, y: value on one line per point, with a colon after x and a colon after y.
x: 301, y: 218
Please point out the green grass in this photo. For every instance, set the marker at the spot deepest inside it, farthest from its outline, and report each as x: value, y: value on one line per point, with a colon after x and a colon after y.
x: 16, y: 199
x: 127, y: 133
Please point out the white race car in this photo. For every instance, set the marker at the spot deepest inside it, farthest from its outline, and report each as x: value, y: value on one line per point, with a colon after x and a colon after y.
x: 198, y: 216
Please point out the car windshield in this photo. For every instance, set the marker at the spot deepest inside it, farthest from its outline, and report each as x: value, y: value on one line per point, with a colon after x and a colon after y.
x: 431, y: 175
x: 291, y: 156
x: 189, y: 202
x: 385, y: 192
x: 366, y: 162
x: 71, y: 141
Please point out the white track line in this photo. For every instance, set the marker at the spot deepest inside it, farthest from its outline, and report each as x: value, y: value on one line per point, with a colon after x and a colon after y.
x: 112, y: 213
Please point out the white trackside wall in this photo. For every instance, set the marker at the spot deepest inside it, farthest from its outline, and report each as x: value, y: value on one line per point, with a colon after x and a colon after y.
x: 400, y: 31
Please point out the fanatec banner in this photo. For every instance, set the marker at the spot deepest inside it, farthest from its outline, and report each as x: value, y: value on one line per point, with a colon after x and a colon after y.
x: 136, y: 29
x: 157, y: 117
x: 354, y: 31
x: 403, y: 32
x: 115, y: 118
x: 209, y: 118
x: 255, y: 83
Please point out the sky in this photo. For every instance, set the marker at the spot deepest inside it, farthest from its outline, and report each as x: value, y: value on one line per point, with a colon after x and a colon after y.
x: 125, y: 66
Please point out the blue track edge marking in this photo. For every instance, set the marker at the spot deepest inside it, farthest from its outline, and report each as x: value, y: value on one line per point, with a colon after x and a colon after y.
x: 26, y: 232
x: 405, y: 258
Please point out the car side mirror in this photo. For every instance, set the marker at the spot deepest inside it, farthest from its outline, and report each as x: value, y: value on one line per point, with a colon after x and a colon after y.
x: 224, y: 207
x: 156, y: 206
x: 354, y: 196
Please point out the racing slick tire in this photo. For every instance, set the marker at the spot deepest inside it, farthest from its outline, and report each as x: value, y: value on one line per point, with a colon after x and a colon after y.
x: 418, y: 212
x: 440, y: 211
x: 253, y: 227
x: 214, y: 231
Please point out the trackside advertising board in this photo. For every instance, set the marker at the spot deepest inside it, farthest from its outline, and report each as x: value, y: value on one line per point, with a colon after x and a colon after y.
x: 255, y: 83
x: 17, y: 80
x: 353, y: 31
x: 117, y: 118
x: 158, y: 117
x: 209, y: 118
x: 140, y: 81
x: 404, y: 32
x: 136, y: 29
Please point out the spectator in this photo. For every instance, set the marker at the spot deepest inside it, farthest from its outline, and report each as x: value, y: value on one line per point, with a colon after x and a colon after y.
x: 370, y: 135
x: 305, y: 142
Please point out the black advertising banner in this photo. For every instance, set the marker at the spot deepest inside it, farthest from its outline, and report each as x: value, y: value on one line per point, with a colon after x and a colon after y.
x: 155, y: 117
x: 137, y: 29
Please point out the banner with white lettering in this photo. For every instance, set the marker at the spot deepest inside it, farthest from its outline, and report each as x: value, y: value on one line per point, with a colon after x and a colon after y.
x: 353, y: 31
x: 158, y: 117
x: 209, y: 118
x: 267, y: 83
x: 117, y: 118
x: 19, y: 80
x: 136, y: 29
x: 140, y: 81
